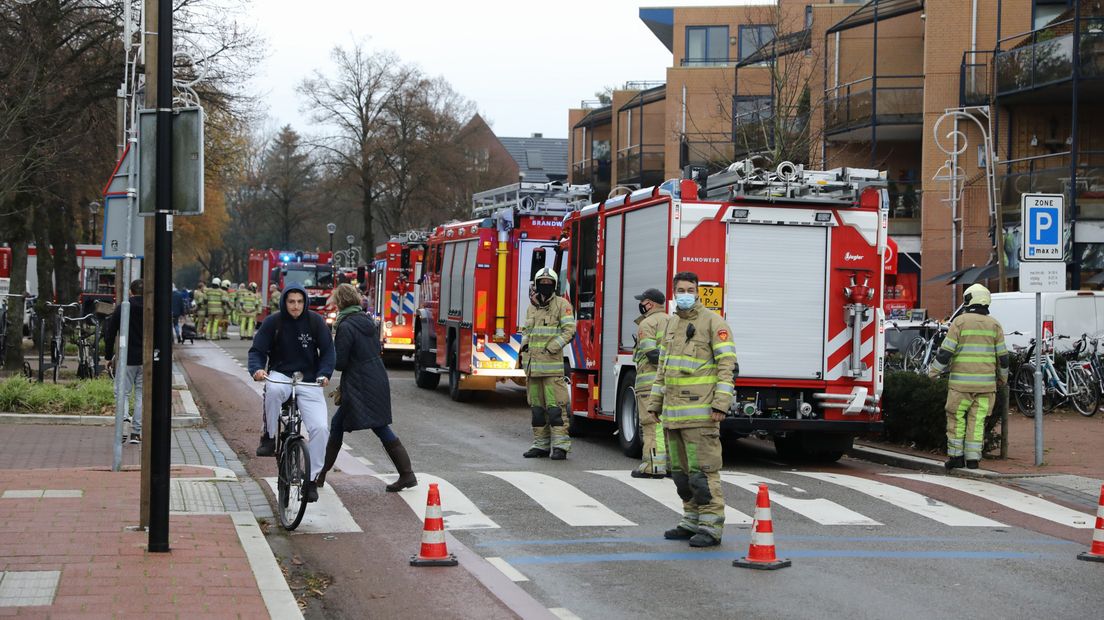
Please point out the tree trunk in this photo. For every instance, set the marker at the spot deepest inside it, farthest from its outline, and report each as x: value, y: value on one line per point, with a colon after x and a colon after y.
x: 44, y: 268
x: 13, y: 356
x: 66, y: 269
x: 366, y: 210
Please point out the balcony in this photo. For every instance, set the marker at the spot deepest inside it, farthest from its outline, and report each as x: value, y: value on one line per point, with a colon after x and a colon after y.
x: 975, y: 85
x: 1050, y: 174
x: 596, y: 172
x: 894, y: 105
x: 905, y: 200
x: 1041, y: 65
x: 710, y: 150
x: 707, y: 62
x: 640, y: 165
x: 759, y: 131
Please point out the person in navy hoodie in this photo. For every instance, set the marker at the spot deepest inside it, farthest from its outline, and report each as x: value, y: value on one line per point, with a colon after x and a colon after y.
x: 295, y: 339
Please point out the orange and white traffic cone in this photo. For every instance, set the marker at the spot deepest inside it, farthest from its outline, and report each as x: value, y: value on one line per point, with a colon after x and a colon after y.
x: 434, y: 552
x: 1096, y: 551
x: 761, y: 552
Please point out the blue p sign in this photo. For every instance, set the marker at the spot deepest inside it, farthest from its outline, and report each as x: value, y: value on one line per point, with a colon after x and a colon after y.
x: 1044, y: 227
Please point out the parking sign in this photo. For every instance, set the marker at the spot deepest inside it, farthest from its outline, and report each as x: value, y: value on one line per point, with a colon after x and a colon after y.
x: 1043, y: 225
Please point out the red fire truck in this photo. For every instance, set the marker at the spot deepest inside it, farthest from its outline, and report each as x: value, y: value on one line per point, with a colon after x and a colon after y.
x: 475, y: 284
x: 393, y: 288
x: 312, y: 270
x: 791, y: 258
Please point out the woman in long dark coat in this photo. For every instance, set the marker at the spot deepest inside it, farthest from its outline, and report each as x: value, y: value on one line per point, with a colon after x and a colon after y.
x: 365, y: 391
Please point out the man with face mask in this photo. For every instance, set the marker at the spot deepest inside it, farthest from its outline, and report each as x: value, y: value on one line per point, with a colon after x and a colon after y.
x: 651, y: 323
x: 549, y: 327
x: 692, y: 393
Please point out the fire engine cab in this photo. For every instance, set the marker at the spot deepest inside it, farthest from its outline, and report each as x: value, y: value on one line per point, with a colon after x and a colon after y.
x: 311, y: 270
x: 791, y: 258
x: 475, y: 284
x: 393, y: 288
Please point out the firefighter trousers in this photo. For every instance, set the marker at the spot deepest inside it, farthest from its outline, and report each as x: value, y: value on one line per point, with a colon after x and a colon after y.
x: 695, y: 460
x: 966, y: 414
x: 548, y: 400
x: 654, y: 454
x: 247, y: 325
x: 214, y: 322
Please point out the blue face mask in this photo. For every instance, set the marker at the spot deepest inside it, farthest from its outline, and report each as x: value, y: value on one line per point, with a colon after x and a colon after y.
x: 685, y: 301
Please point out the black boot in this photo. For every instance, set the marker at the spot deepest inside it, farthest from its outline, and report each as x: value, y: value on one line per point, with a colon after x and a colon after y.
x: 678, y: 533
x: 401, y: 459
x: 333, y: 448
x: 955, y: 462
x: 972, y: 464
x: 267, y: 447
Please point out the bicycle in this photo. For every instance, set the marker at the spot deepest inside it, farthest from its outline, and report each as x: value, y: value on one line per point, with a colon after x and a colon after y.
x: 1076, y: 387
x: 921, y: 351
x: 1089, y: 353
x: 57, y: 345
x: 87, y: 339
x: 292, y: 459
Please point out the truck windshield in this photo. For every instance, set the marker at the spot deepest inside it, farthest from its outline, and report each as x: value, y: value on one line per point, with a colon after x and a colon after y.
x: 303, y: 276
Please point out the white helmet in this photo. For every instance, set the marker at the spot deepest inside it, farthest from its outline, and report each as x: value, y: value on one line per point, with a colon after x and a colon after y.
x: 216, y: 281
x: 547, y: 273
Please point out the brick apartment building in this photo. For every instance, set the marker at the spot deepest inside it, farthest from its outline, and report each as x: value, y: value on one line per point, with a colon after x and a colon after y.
x: 865, y: 84
x: 500, y: 160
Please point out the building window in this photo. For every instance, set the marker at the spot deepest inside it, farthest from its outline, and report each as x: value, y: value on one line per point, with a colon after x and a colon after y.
x: 754, y: 37
x: 750, y: 109
x: 808, y: 16
x: 706, y: 45
x: 1045, y: 11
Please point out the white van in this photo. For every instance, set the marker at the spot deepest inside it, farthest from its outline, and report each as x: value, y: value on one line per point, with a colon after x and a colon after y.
x: 1066, y: 313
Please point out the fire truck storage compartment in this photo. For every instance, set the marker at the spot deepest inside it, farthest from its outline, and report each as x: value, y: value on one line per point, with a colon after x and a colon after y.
x: 456, y: 292
x: 467, y: 277
x: 527, y: 269
x: 775, y: 299
x: 610, y: 316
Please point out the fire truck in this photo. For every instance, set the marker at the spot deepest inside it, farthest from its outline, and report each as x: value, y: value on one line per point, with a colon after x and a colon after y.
x: 474, y: 292
x: 393, y: 288
x: 312, y: 270
x: 791, y: 258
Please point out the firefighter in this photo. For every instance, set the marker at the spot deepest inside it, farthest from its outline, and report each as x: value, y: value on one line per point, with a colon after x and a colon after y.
x: 974, y: 354
x: 692, y: 393
x: 232, y: 304
x: 199, y: 297
x: 214, y: 309
x: 651, y: 322
x: 249, y: 304
x: 273, y: 299
x: 549, y: 327
x: 227, y: 306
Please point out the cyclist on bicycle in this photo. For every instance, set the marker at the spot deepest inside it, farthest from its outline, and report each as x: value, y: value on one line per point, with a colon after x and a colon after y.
x: 289, y: 341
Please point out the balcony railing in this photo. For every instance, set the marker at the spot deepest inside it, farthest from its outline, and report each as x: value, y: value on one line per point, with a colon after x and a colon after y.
x: 711, y: 150
x: 899, y: 99
x: 975, y: 85
x: 1050, y: 174
x: 707, y: 62
x: 905, y: 199
x: 788, y: 136
x: 1046, y: 57
x: 640, y: 164
x: 593, y: 171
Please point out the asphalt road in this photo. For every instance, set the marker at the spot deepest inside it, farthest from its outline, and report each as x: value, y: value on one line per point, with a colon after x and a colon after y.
x: 602, y: 555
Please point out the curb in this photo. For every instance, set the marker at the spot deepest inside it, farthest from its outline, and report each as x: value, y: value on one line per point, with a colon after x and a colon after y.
x: 909, y: 461
x: 186, y: 421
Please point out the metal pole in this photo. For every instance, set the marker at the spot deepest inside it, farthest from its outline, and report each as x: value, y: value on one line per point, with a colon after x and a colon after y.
x: 161, y: 418
x: 1038, y: 379
x: 124, y: 307
x: 1075, y: 128
x: 874, y: 100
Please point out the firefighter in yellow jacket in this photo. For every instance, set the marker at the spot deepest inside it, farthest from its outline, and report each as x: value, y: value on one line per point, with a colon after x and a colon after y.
x: 974, y: 354
x: 649, y: 333
x: 692, y: 393
x: 215, y: 300
x: 549, y: 327
x: 250, y: 305
x: 199, y: 297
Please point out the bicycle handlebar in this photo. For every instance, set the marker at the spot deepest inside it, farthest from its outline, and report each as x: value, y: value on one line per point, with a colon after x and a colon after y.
x: 80, y: 319
x: 69, y: 305
x: 293, y: 382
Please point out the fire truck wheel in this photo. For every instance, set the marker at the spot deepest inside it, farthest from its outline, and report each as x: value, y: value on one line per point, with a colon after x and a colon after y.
x: 628, y: 419
x: 422, y: 377
x: 455, y: 393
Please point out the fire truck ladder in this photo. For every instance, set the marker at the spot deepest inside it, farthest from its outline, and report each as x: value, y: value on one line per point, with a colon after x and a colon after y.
x: 410, y: 236
x: 553, y: 198
x: 744, y: 180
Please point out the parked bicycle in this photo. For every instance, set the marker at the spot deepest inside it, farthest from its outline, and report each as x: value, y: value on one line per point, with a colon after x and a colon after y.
x: 1090, y: 352
x: 86, y: 335
x: 292, y: 459
x: 57, y: 341
x: 1065, y: 379
x: 920, y: 352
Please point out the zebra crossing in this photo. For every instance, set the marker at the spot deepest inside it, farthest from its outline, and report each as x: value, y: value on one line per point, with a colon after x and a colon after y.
x: 573, y: 505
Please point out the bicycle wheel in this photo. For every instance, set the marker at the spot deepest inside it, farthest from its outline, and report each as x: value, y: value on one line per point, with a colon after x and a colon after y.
x: 57, y: 352
x: 1022, y: 389
x: 914, y: 353
x: 1083, y: 394
x: 294, y: 471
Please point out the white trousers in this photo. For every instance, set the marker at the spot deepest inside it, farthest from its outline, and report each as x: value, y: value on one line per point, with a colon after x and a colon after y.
x: 312, y: 407
x: 131, y: 379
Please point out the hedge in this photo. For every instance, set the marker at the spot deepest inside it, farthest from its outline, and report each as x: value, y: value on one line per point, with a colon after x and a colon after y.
x: 90, y: 397
x: 913, y: 411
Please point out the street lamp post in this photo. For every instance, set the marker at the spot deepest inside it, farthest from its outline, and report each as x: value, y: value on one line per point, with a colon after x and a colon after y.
x: 350, y: 239
x: 94, y: 209
x: 332, y: 228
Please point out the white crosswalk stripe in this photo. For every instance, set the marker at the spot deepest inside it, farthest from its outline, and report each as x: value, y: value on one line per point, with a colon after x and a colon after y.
x: 1021, y: 502
x: 823, y: 511
x: 563, y: 500
x: 905, y: 499
x: 459, y: 512
x: 663, y: 491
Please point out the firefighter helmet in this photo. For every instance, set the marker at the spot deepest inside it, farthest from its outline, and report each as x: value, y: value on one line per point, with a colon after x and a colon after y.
x: 216, y: 281
x: 546, y: 274
x: 226, y: 285
x: 252, y: 286
x: 976, y: 295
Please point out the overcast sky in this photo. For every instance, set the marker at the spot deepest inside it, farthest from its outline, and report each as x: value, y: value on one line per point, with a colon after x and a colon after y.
x: 522, y: 63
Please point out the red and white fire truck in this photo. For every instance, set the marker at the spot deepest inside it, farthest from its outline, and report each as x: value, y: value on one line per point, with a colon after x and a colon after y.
x: 393, y: 286
x: 791, y: 258
x: 312, y: 270
x: 475, y: 284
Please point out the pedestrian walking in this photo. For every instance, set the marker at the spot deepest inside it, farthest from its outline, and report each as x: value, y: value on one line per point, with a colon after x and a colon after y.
x: 649, y: 333
x: 549, y: 327
x: 974, y: 354
x: 364, y: 393
x: 178, y: 308
x: 692, y: 393
x: 131, y: 369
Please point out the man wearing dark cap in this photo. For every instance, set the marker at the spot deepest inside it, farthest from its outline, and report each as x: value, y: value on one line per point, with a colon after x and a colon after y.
x: 649, y: 333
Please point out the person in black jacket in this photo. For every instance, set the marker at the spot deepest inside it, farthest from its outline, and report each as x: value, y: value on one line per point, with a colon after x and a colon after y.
x: 365, y: 393
x: 131, y: 371
x: 292, y: 340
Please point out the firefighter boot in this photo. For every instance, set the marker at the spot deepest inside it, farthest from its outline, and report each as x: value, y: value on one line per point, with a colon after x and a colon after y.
x: 678, y: 533
x: 955, y: 462
x: 542, y: 436
x: 333, y: 448
x: 972, y: 464
x: 561, y: 442
x: 701, y: 539
x: 401, y: 459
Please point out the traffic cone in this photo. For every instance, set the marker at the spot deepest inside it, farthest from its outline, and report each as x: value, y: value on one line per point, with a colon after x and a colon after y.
x: 1096, y: 551
x: 761, y: 552
x: 434, y: 552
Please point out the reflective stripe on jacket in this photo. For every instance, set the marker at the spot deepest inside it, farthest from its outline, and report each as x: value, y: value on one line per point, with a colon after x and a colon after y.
x: 215, y: 298
x: 648, y: 336
x: 974, y: 354
x: 547, y: 331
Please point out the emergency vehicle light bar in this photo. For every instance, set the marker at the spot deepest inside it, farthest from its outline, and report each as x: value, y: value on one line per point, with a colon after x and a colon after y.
x: 745, y: 180
x: 553, y: 198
